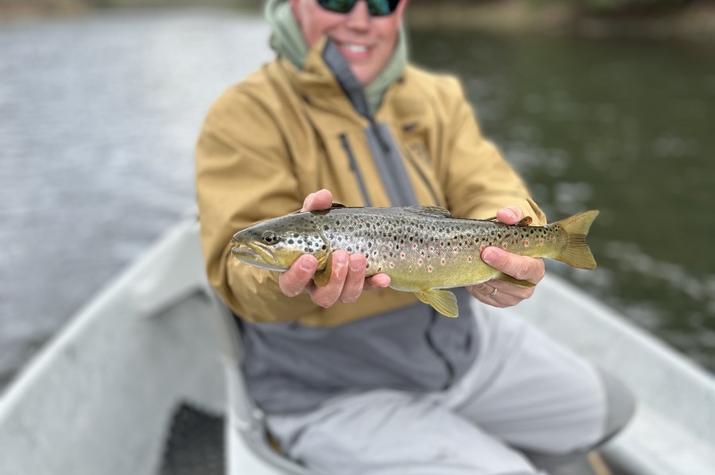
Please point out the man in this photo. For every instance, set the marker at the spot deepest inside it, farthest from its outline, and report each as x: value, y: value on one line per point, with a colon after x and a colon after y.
x: 358, y: 381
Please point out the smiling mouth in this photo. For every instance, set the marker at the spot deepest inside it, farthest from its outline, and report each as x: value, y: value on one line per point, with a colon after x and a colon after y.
x: 354, y: 49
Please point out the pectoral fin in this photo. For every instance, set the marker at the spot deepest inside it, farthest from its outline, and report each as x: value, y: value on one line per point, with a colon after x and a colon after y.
x: 512, y: 280
x: 443, y: 301
x: 322, y: 277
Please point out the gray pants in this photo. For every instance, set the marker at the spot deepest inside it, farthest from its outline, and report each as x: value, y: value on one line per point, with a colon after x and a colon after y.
x: 524, y: 391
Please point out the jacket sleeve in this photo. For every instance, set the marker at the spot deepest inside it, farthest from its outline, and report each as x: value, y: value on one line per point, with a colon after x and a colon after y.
x: 243, y: 175
x: 478, y: 179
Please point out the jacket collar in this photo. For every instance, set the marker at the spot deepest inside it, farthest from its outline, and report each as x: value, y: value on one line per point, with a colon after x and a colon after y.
x: 328, y: 85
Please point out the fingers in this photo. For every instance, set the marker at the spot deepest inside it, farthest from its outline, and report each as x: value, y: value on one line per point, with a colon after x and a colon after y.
x: 519, y: 267
x: 355, y: 279
x: 321, y: 199
x: 295, y: 280
x: 329, y: 294
x: 378, y: 281
x: 505, y: 294
x: 500, y: 294
x: 510, y: 215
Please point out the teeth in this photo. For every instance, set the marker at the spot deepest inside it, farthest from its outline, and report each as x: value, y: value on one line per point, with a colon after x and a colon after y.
x: 356, y: 48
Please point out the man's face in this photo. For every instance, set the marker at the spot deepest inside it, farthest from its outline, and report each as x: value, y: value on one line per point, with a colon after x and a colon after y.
x: 365, y: 41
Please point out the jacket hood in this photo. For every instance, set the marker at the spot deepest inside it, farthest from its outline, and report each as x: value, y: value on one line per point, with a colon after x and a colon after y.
x: 288, y: 42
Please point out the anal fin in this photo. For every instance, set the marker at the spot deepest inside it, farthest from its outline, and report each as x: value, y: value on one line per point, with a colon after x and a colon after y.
x: 443, y: 301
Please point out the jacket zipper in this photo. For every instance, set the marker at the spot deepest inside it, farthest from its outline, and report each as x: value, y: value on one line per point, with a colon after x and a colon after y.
x: 355, y: 168
x: 423, y: 177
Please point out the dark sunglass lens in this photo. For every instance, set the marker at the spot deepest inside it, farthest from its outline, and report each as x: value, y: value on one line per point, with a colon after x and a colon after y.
x: 337, y: 6
x: 382, y: 7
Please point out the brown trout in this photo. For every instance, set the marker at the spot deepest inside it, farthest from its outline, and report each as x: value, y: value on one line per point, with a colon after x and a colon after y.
x: 423, y: 250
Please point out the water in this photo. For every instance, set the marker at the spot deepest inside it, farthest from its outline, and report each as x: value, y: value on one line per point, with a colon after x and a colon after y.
x: 624, y: 126
x: 99, y: 115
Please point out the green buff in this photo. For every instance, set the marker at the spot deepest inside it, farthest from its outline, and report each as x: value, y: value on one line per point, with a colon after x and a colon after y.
x: 287, y: 40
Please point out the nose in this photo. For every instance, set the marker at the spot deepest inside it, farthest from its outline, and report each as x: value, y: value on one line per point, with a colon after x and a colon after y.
x: 359, y: 17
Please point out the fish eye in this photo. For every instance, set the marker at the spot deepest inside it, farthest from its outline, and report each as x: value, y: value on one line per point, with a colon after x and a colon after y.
x: 269, y: 237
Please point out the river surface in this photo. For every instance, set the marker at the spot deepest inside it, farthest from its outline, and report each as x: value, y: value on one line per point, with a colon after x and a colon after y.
x: 99, y: 115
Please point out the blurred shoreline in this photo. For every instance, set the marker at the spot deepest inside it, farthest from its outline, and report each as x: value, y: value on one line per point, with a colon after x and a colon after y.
x: 695, y: 19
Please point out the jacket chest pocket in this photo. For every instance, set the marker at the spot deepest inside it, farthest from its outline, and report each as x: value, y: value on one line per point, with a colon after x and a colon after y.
x: 345, y: 172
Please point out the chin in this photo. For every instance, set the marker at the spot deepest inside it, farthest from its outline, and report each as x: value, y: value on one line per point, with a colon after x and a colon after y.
x: 364, y: 77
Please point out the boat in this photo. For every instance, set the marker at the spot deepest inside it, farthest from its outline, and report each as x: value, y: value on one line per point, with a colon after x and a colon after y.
x: 103, y: 396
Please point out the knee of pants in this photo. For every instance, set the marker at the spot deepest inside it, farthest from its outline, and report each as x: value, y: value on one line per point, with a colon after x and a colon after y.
x: 620, y: 406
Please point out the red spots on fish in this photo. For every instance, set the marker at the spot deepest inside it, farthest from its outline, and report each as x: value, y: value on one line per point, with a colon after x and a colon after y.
x: 403, y: 255
x: 430, y: 269
x: 526, y: 243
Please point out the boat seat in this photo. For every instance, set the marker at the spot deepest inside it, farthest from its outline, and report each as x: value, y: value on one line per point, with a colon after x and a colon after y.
x: 246, y: 434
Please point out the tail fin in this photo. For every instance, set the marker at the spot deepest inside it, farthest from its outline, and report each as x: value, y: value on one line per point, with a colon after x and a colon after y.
x: 577, y: 253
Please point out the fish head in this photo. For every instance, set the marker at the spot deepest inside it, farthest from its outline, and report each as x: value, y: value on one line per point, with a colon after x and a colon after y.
x: 275, y: 244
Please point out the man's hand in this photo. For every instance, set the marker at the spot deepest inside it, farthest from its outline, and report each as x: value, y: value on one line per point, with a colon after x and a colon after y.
x: 347, y: 279
x: 498, y: 293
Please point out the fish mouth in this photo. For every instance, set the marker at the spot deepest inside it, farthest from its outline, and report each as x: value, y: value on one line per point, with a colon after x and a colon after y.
x: 257, y: 254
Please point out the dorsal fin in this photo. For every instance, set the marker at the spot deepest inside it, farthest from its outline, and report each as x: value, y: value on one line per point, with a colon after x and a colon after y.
x: 434, y: 211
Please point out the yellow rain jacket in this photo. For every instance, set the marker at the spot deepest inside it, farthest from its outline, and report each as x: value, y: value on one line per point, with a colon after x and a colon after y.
x: 283, y: 133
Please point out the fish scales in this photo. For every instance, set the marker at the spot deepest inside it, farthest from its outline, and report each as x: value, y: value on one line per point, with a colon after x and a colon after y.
x: 423, y: 250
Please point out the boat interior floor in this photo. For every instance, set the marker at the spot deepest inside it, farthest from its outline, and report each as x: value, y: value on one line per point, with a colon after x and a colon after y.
x: 194, y: 443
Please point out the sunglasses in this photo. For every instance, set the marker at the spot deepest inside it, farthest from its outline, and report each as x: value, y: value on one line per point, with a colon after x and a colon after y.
x: 375, y: 7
